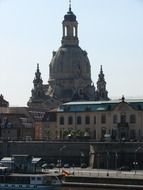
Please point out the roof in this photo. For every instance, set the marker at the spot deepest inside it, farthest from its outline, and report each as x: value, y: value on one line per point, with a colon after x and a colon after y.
x: 104, y: 101
x: 70, y: 16
x: 7, y: 160
x: 99, y: 105
x: 35, y: 160
x: 11, y: 159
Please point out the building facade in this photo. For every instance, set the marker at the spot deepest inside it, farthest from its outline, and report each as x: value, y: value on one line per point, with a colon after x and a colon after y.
x: 114, y: 120
x: 16, y: 124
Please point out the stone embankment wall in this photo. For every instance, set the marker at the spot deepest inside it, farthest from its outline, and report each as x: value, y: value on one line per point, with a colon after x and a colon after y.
x: 96, y: 154
x: 51, y: 151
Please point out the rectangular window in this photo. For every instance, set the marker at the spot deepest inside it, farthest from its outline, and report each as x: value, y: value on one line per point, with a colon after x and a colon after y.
x: 103, y: 119
x: 94, y: 119
x: 132, y: 118
x: 70, y: 120
x: 115, y: 119
x: 123, y: 118
x: 87, y: 120
x: 78, y: 120
x: 62, y: 120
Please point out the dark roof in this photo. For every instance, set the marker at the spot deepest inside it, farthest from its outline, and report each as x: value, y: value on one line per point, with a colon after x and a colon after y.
x: 70, y: 16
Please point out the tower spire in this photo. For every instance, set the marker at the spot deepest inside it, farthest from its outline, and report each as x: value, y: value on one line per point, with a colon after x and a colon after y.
x: 37, y: 66
x: 101, y: 74
x: 101, y: 92
x: 38, y: 74
x: 69, y: 5
x: 101, y: 71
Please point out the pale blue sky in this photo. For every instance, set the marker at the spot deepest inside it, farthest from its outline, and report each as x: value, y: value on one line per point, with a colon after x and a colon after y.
x: 111, y: 31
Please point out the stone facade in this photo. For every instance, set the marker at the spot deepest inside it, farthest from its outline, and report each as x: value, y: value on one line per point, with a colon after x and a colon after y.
x: 114, y: 120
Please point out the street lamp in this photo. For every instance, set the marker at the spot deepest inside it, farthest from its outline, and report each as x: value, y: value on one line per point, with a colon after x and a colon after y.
x: 116, y: 160
x: 135, y: 163
x: 107, y: 163
x: 98, y: 163
x: 81, y: 158
x: 60, y: 156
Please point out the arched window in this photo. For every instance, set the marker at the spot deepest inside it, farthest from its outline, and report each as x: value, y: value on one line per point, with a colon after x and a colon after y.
x: 74, y: 31
x: 65, y: 31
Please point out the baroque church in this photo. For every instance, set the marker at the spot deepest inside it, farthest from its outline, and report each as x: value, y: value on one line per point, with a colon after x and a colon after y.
x: 69, y: 73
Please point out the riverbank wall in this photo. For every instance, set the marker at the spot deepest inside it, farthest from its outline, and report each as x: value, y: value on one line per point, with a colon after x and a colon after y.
x: 103, y: 155
x: 103, y: 182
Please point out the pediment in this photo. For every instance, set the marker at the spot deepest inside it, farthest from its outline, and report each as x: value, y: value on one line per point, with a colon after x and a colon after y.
x: 123, y: 106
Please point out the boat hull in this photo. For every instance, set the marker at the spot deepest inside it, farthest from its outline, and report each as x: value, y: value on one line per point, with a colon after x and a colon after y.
x: 27, y: 187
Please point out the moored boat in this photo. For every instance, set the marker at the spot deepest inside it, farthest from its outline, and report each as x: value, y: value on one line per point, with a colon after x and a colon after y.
x: 20, y: 181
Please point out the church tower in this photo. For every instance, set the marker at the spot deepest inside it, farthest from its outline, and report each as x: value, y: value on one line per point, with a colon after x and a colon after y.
x: 38, y: 84
x: 70, y: 71
x: 38, y: 94
x: 101, y: 92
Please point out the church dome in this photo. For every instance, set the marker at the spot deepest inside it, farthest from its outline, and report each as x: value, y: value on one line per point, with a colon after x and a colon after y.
x: 70, y: 75
x: 70, y: 62
x: 69, y: 72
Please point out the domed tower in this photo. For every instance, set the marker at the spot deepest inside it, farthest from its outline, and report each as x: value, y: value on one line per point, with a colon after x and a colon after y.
x: 70, y: 72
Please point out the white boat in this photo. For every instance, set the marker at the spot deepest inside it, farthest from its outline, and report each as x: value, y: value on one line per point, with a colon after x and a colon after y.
x: 19, y: 181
